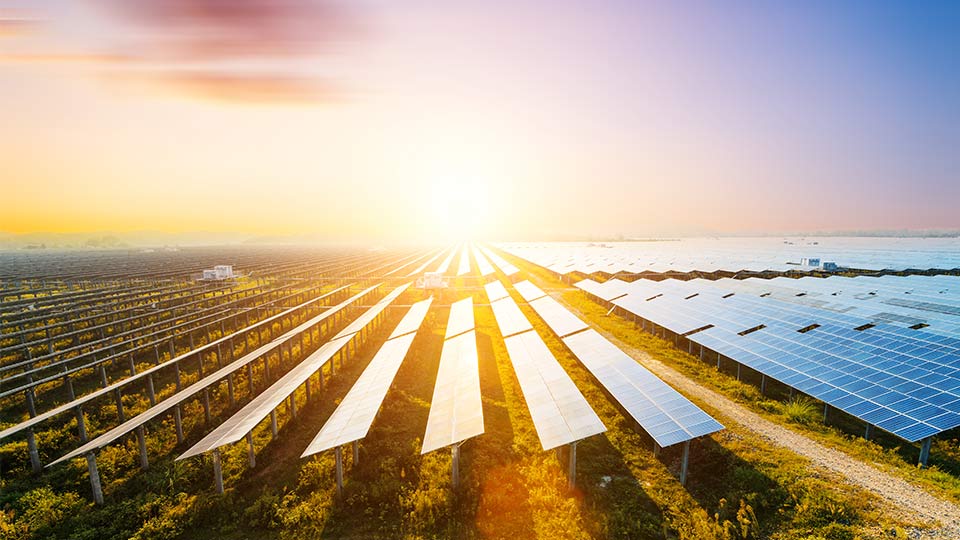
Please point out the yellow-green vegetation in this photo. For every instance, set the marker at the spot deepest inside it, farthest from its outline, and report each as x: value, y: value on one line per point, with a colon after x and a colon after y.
x: 740, y: 486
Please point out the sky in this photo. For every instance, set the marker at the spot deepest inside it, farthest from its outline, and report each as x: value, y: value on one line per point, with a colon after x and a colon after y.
x: 501, y: 119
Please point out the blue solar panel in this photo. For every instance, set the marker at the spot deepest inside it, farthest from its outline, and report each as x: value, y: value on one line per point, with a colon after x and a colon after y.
x: 913, y: 376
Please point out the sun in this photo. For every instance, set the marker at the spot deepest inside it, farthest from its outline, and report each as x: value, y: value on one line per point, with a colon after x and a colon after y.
x: 459, y: 207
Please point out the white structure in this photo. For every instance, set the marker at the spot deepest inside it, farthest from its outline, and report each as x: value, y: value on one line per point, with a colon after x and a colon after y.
x: 219, y: 272
x: 432, y: 280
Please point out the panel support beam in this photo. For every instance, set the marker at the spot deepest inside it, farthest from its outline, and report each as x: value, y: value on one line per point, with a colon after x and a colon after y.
x: 142, y: 444
x: 455, y: 472
x: 338, y: 453
x: 925, y: 451
x: 572, y: 472
x: 217, y: 471
x: 251, y: 454
x: 94, y: 478
x: 34, y: 452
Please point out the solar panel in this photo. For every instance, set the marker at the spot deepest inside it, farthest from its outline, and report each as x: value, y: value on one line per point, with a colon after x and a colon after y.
x: 560, y: 413
x: 424, y: 266
x: 445, y: 265
x: 496, y: 291
x: 353, y: 417
x: 456, y: 410
x: 413, y: 319
x: 500, y: 263
x: 461, y: 317
x: 509, y: 317
x: 607, y: 291
x: 557, y: 317
x: 529, y: 291
x: 464, y: 267
x: 667, y: 416
x: 176, y: 399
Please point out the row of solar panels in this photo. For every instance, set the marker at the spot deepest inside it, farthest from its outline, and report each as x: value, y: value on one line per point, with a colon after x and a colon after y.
x: 737, y: 254
x: 665, y: 414
x: 560, y: 413
x: 210, y: 380
x: 905, y: 381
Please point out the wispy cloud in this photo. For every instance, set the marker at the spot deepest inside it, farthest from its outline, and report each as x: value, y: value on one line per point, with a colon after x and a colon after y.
x: 234, y: 50
x: 246, y: 88
x: 192, y: 30
x: 15, y: 26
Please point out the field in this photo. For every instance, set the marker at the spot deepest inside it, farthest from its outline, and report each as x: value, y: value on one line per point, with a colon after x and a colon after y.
x: 741, y: 485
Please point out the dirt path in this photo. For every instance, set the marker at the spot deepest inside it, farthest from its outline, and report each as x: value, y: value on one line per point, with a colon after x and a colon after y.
x: 898, y: 492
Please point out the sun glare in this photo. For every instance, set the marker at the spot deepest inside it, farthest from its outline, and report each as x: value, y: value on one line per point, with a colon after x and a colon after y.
x: 459, y: 207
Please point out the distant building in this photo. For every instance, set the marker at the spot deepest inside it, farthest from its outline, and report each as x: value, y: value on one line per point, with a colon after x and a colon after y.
x: 432, y: 280
x: 219, y: 272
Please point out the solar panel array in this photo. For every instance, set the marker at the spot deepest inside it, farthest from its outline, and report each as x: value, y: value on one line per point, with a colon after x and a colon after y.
x: 844, y: 341
x: 560, y: 413
x: 739, y: 254
x: 667, y: 416
x: 113, y: 387
x: 456, y: 410
x: 183, y: 395
x: 353, y: 417
x: 243, y: 421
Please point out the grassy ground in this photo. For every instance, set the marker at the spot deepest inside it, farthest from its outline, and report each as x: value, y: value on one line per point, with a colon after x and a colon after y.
x: 739, y: 486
